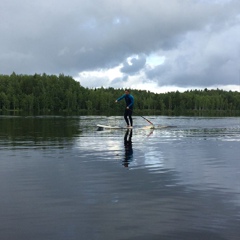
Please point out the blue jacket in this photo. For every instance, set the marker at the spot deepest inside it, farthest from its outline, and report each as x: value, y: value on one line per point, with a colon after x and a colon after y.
x: 128, y: 99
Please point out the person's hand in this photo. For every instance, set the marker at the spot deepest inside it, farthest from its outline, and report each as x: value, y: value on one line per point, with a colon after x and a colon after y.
x: 127, y: 107
x: 116, y: 101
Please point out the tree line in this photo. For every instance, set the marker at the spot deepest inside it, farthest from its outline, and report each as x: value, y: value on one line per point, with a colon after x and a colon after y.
x: 42, y: 93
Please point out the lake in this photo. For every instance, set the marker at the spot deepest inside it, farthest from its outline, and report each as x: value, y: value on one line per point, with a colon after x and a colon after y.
x: 61, y: 179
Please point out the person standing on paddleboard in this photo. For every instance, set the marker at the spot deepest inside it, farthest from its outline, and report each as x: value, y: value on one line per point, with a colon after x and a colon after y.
x: 129, y: 107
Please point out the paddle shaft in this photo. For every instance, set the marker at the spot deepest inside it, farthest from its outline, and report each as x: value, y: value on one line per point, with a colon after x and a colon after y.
x: 147, y: 120
x: 143, y: 117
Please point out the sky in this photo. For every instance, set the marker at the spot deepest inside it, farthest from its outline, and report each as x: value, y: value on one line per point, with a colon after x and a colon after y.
x: 154, y: 45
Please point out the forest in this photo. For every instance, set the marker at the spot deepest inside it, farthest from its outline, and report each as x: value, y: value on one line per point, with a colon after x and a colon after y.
x: 52, y: 94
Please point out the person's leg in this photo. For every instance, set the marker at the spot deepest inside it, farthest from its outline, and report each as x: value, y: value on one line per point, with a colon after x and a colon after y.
x: 126, y: 116
x: 130, y: 117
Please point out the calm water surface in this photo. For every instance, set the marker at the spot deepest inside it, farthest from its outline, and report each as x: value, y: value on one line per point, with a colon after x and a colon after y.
x: 61, y: 179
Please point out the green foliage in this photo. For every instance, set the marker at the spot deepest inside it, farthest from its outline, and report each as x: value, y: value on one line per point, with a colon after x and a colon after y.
x: 40, y: 93
x: 55, y: 94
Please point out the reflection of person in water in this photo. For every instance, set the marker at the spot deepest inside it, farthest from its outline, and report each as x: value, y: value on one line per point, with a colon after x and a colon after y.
x: 128, y: 148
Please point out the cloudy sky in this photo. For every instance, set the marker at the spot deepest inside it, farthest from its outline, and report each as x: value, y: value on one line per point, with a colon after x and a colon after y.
x: 156, y: 45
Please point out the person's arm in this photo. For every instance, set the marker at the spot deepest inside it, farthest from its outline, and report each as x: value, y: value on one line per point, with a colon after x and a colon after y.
x: 119, y: 99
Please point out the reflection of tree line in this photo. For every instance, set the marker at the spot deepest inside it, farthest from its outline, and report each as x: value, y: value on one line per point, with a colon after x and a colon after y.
x: 50, y: 93
x: 38, y: 129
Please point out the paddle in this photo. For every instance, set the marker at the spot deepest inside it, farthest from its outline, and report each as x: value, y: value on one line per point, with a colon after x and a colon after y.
x: 140, y: 116
x: 147, y: 120
x: 144, y: 118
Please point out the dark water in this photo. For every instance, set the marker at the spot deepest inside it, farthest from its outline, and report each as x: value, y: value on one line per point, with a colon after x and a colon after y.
x: 61, y: 179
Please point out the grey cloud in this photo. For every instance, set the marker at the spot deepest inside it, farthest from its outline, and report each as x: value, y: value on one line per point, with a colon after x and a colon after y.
x: 135, y: 65
x: 118, y: 81
x: 204, y: 59
x: 78, y: 35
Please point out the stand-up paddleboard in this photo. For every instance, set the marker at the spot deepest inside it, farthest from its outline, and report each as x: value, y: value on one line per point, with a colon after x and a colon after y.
x: 102, y: 127
x: 155, y: 127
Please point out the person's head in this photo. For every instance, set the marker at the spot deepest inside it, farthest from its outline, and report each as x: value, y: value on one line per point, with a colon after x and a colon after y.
x: 127, y: 91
